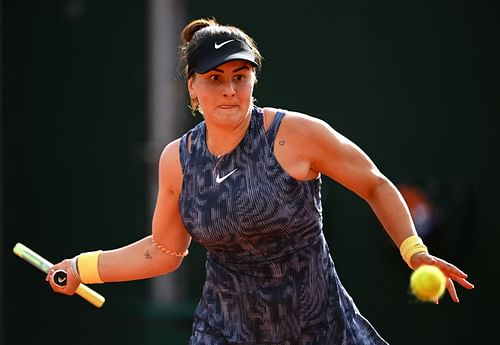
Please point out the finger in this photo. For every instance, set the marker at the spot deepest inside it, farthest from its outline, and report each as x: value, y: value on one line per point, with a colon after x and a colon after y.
x: 48, y: 276
x: 463, y: 282
x: 451, y: 290
x: 466, y: 284
x: 450, y: 269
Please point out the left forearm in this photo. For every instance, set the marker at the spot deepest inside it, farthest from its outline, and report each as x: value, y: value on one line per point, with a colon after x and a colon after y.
x: 139, y: 260
x: 392, y: 211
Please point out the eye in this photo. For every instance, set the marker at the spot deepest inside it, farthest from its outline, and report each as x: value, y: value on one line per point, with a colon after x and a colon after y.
x: 215, y: 77
x: 239, y: 77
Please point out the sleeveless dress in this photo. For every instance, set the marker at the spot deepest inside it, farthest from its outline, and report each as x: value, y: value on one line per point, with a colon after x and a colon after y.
x: 270, y: 279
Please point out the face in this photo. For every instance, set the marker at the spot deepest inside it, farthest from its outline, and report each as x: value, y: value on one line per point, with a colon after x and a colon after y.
x: 225, y: 92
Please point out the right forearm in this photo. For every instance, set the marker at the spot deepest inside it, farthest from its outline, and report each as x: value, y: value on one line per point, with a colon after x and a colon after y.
x: 139, y: 260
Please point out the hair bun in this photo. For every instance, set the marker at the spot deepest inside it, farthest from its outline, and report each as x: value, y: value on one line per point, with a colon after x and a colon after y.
x: 194, y: 26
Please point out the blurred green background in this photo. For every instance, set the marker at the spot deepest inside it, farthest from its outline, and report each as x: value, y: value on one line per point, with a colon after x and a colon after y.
x: 415, y: 84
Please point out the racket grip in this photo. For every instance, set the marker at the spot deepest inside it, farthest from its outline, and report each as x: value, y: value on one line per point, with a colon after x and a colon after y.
x: 90, y: 295
x: 60, y: 278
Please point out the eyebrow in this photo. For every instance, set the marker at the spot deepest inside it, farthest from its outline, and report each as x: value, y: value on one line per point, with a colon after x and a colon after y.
x: 236, y: 70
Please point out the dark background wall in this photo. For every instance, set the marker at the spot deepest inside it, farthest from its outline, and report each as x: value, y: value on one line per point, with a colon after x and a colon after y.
x: 414, y: 84
x: 73, y: 179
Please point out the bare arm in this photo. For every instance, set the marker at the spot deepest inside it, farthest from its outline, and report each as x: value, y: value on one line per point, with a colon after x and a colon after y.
x: 319, y: 149
x: 310, y: 147
x: 144, y: 259
x: 352, y: 168
x: 138, y: 260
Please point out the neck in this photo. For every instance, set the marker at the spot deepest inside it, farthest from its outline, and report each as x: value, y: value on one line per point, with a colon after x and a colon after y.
x: 221, y: 141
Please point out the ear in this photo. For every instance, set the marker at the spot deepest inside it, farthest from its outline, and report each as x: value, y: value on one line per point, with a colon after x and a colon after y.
x: 191, y: 89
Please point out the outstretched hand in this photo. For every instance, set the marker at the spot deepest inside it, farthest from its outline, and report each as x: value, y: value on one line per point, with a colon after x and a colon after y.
x: 452, y: 273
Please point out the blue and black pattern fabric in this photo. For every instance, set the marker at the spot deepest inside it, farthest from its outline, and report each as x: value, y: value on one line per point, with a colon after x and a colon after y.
x: 270, y: 279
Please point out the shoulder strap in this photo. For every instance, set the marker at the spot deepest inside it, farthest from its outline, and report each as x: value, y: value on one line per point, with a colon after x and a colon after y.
x: 189, y: 141
x: 273, y: 128
x: 184, y: 149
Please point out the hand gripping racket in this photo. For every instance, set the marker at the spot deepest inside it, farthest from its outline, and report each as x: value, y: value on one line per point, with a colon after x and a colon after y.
x: 59, y: 276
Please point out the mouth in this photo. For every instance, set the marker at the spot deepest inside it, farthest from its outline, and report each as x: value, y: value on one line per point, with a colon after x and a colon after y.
x: 227, y: 106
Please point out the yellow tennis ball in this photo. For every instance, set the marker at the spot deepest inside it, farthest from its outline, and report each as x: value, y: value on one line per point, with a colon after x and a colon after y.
x: 427, y: 283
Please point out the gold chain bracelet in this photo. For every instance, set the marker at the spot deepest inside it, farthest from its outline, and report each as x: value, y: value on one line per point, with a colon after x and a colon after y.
x: 168, y: 251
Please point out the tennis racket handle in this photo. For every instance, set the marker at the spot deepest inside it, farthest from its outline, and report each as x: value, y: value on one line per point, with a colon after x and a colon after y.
x: 90, y: 295
x: 60, y: 278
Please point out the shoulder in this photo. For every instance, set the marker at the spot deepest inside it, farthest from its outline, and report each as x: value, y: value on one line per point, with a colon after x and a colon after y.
x: 298, y: 123
x: 311, y: 137
x: 170, y: 170
x: 171, y: 151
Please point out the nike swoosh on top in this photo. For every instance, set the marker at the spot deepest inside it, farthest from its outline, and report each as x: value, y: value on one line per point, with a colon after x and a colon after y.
x: 218, y: 46
x: 219, y: 179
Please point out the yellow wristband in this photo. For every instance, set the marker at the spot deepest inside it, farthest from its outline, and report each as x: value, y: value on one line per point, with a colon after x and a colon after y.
x: 411, y: 246
x: 88, y: 267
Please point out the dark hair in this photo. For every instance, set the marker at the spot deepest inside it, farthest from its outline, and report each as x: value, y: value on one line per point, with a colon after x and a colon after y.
x: 195, y: 33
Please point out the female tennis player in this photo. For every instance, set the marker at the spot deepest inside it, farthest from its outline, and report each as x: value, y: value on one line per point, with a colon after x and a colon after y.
x: 245, y: 183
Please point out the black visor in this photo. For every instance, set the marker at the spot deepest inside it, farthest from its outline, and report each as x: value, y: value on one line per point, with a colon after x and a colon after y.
x: 215, y: 51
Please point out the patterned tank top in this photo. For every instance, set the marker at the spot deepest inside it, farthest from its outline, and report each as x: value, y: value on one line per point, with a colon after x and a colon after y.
x: 270, y: 278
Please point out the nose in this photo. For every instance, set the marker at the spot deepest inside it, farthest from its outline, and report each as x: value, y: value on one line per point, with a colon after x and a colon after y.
x: 229, y: 90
